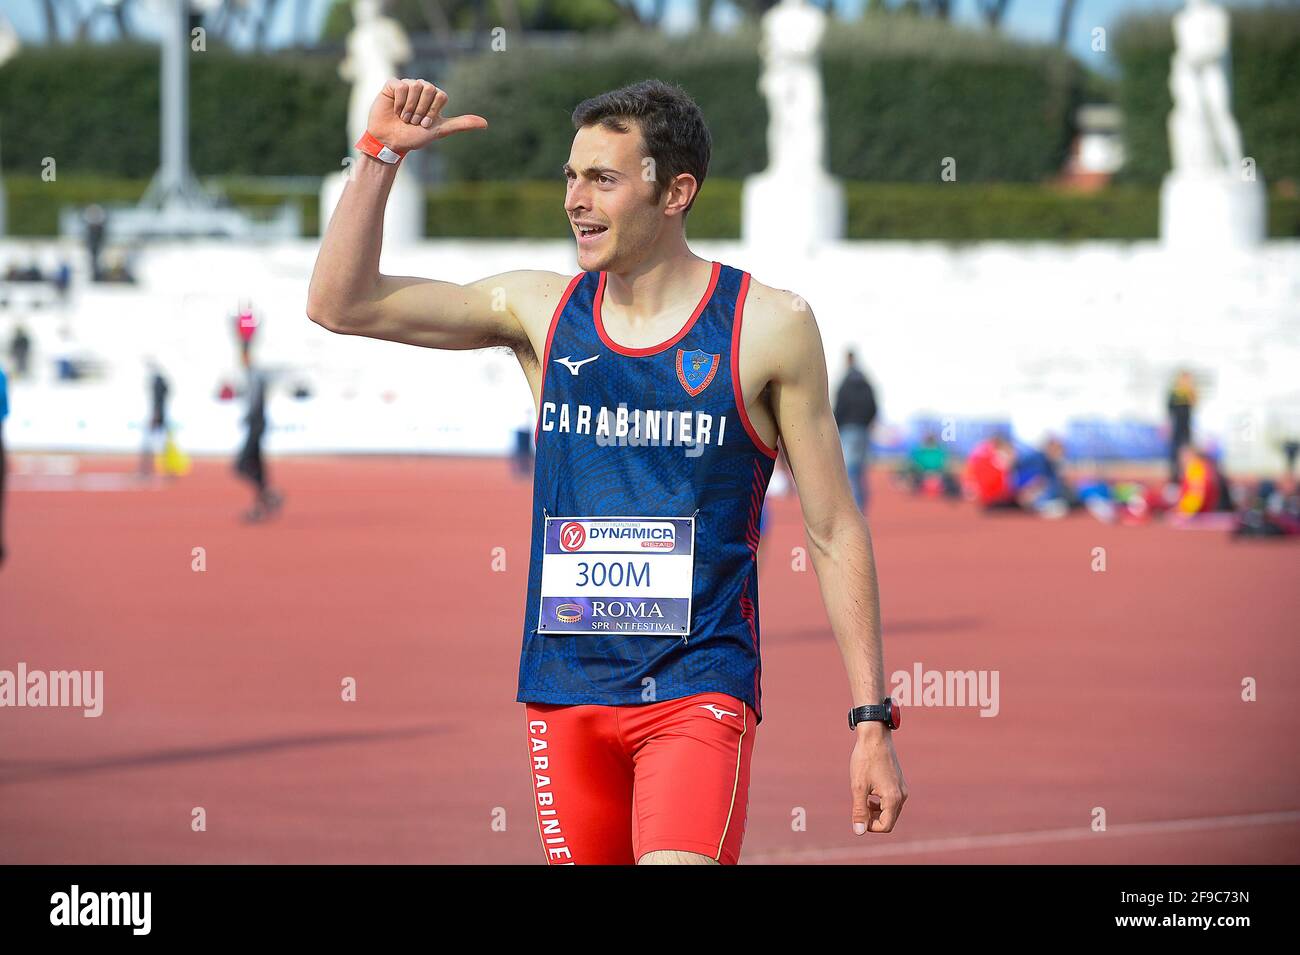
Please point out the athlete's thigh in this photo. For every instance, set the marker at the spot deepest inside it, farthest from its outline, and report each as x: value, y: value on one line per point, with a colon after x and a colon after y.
x: 582, y: 785
x: 692, y: 776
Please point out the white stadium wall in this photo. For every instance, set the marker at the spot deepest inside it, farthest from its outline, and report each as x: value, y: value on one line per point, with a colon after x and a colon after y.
x: 1037, y: 333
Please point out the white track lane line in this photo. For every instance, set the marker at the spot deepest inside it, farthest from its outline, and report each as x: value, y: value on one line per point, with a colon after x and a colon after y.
x: 1013, y: 839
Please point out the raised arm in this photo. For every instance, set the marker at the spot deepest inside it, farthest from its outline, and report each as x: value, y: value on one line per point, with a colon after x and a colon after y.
x: 349, y: 295
x: 840, y: 543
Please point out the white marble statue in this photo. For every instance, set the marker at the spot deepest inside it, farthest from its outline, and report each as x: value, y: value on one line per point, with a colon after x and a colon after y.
x: 1202, y: 133
x: 792, y: 84
x: 9, y: 42
x: 1213, y: 197
x: 794, y: 205
x: 376, y: 49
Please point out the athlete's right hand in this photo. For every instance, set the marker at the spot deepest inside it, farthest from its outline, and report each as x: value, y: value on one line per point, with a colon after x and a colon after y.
x: 407, y: 114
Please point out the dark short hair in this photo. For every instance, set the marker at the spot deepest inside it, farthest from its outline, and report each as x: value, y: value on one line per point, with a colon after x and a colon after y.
x: 672, y: 127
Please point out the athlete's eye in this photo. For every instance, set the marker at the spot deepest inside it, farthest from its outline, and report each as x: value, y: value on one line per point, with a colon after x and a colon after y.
x: 604, y: 179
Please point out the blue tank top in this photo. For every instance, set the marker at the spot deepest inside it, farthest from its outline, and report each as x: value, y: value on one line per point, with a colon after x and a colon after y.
x: 658, y: 432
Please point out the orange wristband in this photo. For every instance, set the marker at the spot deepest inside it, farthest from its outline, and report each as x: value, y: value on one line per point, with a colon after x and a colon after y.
x: 373, y: 147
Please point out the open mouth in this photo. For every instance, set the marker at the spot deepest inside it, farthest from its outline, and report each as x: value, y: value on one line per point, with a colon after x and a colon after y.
x: 591, y: 231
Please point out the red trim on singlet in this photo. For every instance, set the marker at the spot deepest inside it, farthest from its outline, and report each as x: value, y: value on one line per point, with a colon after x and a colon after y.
x: 752, y: 532
x: 546, y: 353
x: 653, y: 349
x: 737, y: 391
x: 747, y: 613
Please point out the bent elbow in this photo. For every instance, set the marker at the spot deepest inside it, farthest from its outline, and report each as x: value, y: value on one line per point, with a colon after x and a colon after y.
x: 329, y: 319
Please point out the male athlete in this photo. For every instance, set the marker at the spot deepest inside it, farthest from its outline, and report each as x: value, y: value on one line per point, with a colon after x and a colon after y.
x: 663, y: 382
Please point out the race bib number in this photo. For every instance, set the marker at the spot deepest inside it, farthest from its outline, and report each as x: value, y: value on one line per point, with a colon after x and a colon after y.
x: 617, y: 575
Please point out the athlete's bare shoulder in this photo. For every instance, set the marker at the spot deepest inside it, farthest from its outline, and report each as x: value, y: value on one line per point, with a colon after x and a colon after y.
x: 778, y: 330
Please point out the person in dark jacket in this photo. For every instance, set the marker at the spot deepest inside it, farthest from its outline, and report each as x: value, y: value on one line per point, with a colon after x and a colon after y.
x: 1182, y: 402
x: 155, y: 435
x: 20, y: 349
x: 249, y: 464
x: 855, y: 411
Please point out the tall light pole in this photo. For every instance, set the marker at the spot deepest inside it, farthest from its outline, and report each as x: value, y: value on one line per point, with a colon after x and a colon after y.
x: 174, y: 185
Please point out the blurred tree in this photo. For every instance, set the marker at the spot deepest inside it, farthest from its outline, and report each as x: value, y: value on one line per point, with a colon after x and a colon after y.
x: 753, y: 9
x: 1063, y: 22
x: 442, y: 17
x: 993, y: 11
x: 704, y: 14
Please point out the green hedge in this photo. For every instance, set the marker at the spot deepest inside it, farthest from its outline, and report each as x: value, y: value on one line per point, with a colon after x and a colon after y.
x: 533, y: 210
x: 33, y: 205
x: 95, y: 109
x: 528, y: 96
x: 903, y: 93
x: 900, y: 95
x: 1265, y: 90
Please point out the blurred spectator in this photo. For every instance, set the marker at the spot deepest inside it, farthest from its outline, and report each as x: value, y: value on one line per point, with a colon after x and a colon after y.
x: 62, y: 279
x: 28, y: 273
x: 1200, y: 489
x: 96, y: 224
x: 989, y: 477
x: 249, y: 464
x: 118, y: 267
x: 20, y: 349
x: 1182, y: 402
x: 17, y: 273
x: 1040, y: 486
x: 246, y: 323
x: 155, y: 435
x: 522, y: 458
x: 65, y: 363
x: 1226, y: 500
x: 855, y: 410
x: 1290, y: 450
x: 1274, y: 512
x: 927, y: 468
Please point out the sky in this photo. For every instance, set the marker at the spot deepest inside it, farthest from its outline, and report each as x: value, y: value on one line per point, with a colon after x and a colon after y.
x: 1030, y: 19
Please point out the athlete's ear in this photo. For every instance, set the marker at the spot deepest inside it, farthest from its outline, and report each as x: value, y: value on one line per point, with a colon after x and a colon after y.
x: 681, y: 193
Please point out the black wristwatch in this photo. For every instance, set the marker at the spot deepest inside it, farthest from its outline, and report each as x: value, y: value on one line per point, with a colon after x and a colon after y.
x: 887, y: 712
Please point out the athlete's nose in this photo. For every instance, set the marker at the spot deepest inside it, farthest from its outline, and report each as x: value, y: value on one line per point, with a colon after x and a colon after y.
x: 575, y: 199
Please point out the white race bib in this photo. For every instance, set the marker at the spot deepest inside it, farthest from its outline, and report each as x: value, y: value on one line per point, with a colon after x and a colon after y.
x: 617, y: 575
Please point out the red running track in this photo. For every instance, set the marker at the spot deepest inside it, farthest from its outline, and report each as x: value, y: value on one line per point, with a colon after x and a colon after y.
x: 1118, y: 690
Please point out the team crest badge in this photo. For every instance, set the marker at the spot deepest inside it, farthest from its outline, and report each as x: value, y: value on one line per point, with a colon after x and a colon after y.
x: 695, y: 369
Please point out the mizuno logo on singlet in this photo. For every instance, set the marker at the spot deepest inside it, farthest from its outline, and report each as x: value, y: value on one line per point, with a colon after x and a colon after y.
x: 717, y: 711
x: 572, y: 365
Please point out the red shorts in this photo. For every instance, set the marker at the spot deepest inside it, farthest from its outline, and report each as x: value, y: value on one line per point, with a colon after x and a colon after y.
x: 612, y: 783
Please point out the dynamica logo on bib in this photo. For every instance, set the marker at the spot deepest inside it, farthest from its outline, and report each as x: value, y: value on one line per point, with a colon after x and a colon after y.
x: 647, y: 536
x: 572, y: 536
x: 102, y: 908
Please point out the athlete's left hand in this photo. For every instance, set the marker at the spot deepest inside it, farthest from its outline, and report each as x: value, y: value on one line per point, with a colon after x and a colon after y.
x: 876, y: 778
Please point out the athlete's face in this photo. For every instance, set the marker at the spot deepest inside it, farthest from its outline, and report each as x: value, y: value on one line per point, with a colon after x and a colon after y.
x: 610, y: 199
